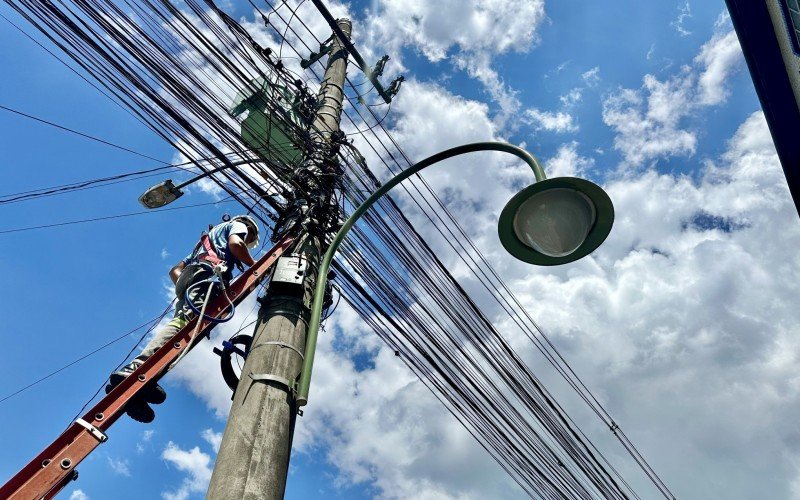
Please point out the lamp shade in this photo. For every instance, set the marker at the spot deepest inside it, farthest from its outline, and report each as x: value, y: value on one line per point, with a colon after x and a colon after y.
x: 159, y: 195
x: 556, y: 221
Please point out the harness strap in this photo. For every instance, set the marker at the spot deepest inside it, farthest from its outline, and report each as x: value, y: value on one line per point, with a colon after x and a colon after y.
x: 210, y: 254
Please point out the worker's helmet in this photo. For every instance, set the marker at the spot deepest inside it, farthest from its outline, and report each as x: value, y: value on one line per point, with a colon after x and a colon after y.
x: 252, y: 229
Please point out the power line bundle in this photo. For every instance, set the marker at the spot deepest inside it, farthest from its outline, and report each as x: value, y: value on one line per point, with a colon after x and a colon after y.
x: 180, y: 71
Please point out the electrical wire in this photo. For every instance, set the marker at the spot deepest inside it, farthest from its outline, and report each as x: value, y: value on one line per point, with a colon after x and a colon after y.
x: 78, y: 360
x: 179, y: 71
x: 87, y: 136
x: 109, y: 217
x: 153, y: 324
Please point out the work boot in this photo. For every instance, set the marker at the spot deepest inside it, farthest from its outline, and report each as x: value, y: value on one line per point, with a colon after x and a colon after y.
x: 151, y: 393
x: 138, y: 409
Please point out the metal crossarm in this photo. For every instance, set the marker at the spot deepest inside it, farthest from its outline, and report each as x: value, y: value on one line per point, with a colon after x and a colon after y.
x: 53, y: 468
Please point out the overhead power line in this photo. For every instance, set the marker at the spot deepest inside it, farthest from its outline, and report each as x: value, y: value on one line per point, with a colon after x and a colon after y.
x: 87, y: 136
x: 180, y: 71
x: 33, y: 194
x: 110, y: 217
x: 78, y: 360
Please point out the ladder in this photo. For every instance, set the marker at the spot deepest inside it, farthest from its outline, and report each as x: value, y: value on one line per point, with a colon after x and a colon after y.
x: 54, y: 468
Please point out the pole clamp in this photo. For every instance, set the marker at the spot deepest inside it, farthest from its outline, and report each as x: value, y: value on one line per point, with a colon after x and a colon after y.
x: 282, y: 344
x: 276, y: 379
x: 94, y: 431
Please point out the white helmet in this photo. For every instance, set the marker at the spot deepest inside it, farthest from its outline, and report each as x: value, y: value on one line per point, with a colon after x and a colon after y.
x: 252, y: 228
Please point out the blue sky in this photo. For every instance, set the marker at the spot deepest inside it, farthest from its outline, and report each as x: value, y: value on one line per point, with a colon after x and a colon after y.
x: 650, y: 99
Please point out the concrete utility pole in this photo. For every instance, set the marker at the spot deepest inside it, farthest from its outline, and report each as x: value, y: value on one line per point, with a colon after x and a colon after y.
x: 253, y: 460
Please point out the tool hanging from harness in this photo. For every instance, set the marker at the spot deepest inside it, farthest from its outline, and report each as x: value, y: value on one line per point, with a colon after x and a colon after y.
x: 205, y: 254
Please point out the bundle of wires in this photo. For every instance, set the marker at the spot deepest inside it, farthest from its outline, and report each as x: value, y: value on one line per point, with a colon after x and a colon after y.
x: 179, y: 71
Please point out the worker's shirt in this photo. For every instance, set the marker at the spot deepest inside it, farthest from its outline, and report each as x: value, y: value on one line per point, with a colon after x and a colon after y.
x: 219, y: 238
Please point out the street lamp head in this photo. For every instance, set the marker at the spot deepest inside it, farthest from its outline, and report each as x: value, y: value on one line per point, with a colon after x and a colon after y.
x: 161, y: 194
x: 556, y: 221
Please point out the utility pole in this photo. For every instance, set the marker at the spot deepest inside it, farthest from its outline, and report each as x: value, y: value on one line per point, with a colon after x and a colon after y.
x: 253, y: 459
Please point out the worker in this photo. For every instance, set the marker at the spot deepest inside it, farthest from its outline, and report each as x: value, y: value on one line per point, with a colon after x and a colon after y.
x: 222, y: 248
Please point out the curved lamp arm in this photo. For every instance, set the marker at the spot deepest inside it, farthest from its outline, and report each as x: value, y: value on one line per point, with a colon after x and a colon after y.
x: 322, y: 277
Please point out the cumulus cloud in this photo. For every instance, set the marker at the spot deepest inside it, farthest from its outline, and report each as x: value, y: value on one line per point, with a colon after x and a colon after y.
x: 212, y: 438
x: 119, y: 466
x: 421, y: 452
x: 649, y: 121
x: 568, y: 162
x: 677, y: 319
x: 472, y: 34
x: 591, y: 77
x: 718, y: 58
x: 474, y: 26
x: 78, y: 495
x: 550, y: 121
x: 199, y: 370
x: 687, y: 302
x: 194, y: 463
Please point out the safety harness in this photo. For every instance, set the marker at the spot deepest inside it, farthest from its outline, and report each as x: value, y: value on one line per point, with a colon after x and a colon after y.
x: 209, y: 254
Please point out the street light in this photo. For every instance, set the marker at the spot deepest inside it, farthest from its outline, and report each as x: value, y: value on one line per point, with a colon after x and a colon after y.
x: 556, y: 221
x: 166, y: 192
x: 551, y: 222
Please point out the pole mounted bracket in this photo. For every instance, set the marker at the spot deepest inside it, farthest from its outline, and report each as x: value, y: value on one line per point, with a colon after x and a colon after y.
x: 324, y: 48
x: 351, y: 49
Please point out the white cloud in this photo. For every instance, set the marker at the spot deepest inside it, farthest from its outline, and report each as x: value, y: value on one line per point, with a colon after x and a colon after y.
x: 421, y: 452
x: 552, y: 122
x: 195, y: 463
x: 199, y: 369
x: 572, y: 98
x: 568, y: 163
x: 212, y: 438
x: 683, y: 314
x: 472, y: 33
x: 648, y: 127
x: 677, y: 319
x: 591, y: 77
x: 78, y: 495
x: 718, y: 58
x: 649, y: 121
x: 473, y: 26
x: 684, y: 13
x: 119, y: 466
x: 146, y: 437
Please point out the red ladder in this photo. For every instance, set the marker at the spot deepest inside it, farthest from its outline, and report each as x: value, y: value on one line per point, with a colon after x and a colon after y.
x: 54, y: 467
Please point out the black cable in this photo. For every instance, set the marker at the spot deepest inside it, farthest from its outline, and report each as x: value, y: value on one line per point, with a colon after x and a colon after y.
x: 55, y: 372
x: 109, y: 217
x: 153, y: 324
x: 82, y: 185
x: 160, y: 65
x: 87, y: 136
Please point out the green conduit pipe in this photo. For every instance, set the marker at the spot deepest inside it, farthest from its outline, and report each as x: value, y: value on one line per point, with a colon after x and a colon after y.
x: 322, y: 277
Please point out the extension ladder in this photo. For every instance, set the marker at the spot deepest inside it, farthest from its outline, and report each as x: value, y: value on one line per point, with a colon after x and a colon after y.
x: 53, y: 468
